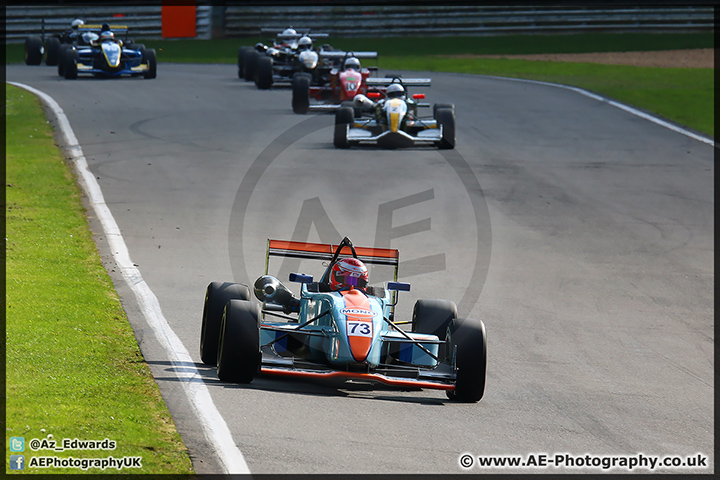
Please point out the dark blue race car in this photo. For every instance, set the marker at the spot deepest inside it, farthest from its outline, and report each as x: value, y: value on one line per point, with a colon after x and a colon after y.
x: 101, y: 54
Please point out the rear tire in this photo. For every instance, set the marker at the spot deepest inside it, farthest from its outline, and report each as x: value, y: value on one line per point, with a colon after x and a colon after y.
x: 33, y: 50
x: 446, y: 118
x: 238, y: 358
x: 469, y: 339
x: 216, y: 296
x: 250, y: 64
x: 70, y: 70
x: 300, y: 93
x: 264, y: 73
x: 149, y: 58
x: 52, y: 51
x: 433, y: 317
x: 343, y: 117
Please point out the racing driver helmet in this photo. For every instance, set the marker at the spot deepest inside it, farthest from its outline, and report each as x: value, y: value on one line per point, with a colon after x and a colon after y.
x: 348, y: 272
x: 353, y: 63
x: 76, y: 24
x: 395, y: 90
x: 107, y: 35
x: 305, y: 43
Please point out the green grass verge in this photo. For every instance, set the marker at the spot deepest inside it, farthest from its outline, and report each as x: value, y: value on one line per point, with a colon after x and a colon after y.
x: 73, y: 366
x: 684, y: 95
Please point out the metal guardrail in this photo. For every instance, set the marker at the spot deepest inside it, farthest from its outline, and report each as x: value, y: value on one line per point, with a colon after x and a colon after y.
x: 377, y: 20
x: 143, y: 21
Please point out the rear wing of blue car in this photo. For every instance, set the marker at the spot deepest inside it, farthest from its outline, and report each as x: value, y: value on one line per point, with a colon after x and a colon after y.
x: 94, y: 28
x: 326, y: 251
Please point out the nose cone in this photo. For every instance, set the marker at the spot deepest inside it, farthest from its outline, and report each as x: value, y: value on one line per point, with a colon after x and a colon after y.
x: 112, y: 53
x: 358, y: 317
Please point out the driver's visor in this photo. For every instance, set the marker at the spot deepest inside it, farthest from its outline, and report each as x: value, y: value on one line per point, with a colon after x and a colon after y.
x: 349, y: 280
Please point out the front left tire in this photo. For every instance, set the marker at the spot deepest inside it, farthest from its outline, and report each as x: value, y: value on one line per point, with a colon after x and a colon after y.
x: 217, y: 295
x: 239, y: 356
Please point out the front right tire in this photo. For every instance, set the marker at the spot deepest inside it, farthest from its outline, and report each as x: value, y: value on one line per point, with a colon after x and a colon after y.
x: 241, y: 61
x: 149, y: 58
x: 300, y: 93
x: 343, y: 117
x: 52, y: 51
x: 70, y: 69
x: 446, y: 118
x: 468, y: 338
x: 250, y: 64
x: 264, y: 73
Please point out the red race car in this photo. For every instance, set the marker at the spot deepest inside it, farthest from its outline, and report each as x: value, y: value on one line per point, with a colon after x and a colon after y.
x: 347, y: 79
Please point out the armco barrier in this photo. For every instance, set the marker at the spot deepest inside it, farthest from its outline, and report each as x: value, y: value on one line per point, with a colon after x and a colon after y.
x: 356, y: 21
x: 143, y: 21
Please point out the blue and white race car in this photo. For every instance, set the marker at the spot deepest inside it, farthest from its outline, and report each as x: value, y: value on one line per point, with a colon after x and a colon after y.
x: 340, y: 329
x: 101, y: 54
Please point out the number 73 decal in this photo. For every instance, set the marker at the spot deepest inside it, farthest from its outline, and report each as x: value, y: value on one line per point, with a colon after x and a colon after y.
x: 359, y: 329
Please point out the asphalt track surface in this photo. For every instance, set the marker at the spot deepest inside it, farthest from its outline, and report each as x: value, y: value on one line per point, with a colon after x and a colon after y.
x: 581, y: 234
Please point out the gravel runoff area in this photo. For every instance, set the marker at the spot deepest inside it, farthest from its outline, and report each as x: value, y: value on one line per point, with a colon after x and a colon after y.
x: 695, y: 58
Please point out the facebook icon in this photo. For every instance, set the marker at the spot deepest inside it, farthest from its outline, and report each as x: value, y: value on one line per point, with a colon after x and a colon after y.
x: 17, y: 462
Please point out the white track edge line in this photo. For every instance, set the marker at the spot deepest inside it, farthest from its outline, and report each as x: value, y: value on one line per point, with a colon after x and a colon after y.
x: 213, y: 425
x: 622, y: 106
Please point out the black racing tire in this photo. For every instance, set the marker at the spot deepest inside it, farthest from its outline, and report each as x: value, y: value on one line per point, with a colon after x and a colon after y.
x: 446, y: 118
x: 250, y: 65
x: 33, y: 50
x: 470, y: 342
x: 52, y: 51
x: 343, y: 117
x: 241, y: 61
x: 64, y: 48
x: 264, y: 73
x: 70, y: 68
x: 137, y: 46
x: 300, y: 93
x: 433, y: 317
x: 150, y: 59
x: 238, y: 358
x: 217, y: 295
x: 438, y: 106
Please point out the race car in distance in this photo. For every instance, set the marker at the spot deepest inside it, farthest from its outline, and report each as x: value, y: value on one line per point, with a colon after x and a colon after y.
x: 290, y: 53
x: 345, y: 80
x: 340, y: 329
x: 52, y: 44
x: 392, y: 120
x: 105, y: 55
